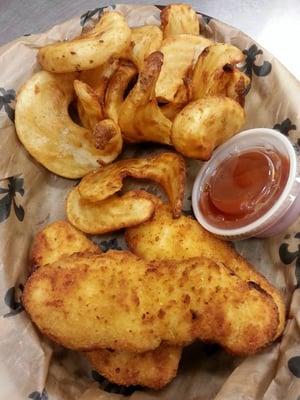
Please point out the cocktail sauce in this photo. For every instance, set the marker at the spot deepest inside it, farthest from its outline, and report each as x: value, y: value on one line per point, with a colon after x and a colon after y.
x: 243, y: 187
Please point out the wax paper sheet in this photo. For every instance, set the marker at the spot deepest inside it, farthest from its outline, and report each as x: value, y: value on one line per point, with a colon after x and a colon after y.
x: 31, y: 367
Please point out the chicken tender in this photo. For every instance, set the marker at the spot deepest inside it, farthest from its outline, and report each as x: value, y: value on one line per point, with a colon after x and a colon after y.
x: 153, y: 369
x: 118, y: 301
x: 164, y: 238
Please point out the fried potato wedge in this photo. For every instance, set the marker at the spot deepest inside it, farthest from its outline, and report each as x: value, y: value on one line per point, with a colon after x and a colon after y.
x: 238, y: 86
x: 144, y: 40
x: 111, y: 214
x: 57, y: 240
x: 152, y: 124
x: 163, y: 238
x: 177, y: 19
x: 110, y: 36
x: 204, y: 124
x: 140, y: 95
x: 213, y: 68
x: 48, y: 133
x: 117, y: 85
x: 182, y: 97
x: 175, y: 66
x: 118, y: 301
x: 97, y: 78
x: 153, y: 369
x: 107, y: 136
x: 88, y: 106
x: 167, y: 169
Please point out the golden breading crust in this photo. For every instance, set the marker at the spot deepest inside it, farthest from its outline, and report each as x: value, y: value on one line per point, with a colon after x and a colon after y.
x: 153, y: 369
x: 164, y: 238
x: 118, y: 301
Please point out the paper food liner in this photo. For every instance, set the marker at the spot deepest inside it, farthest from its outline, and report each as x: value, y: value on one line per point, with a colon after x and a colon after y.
x: 31, y: 197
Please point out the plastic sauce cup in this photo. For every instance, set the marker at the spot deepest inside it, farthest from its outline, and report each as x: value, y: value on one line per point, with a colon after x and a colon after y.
x: 282, y: 213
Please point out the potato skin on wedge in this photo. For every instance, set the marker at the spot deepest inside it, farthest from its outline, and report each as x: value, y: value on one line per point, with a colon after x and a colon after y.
x: 177, y: 19
x: 116, y: 300
x: 110, y: 36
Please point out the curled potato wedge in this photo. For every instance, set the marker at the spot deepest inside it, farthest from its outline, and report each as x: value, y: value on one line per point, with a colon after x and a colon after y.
x: 204, y: 124
x: 167, y: 169
x: 111, y: 214
x: 116, y: 300
x: 164, y: 238
x: 238, y: 86
x: 144, y: 40
x: 116, y: 88
x: 179, y: 52
x: 57, y: 240
x: 177, y: 19
x: 140, y: 95
x: 107, y: 135
x: 213, y: 69
x: 88, y: 106
x: 182, y: 97
x: 48, y: 133
x: 110, y: 36
x: 153, y: 369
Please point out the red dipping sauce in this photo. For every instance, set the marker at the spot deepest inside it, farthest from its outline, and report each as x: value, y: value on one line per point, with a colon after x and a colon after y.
x: 243, y: 187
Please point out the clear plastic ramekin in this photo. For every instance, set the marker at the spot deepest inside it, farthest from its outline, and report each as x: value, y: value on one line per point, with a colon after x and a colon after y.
x: 286, y: 209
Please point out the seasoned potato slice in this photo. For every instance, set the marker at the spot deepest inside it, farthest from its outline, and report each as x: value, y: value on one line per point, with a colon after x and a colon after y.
x: 204, y: 124
x: 110, y: 36
x: 111, y: 214
x: 167, y: 169
x: 179, y: 18
x: 88, y: 105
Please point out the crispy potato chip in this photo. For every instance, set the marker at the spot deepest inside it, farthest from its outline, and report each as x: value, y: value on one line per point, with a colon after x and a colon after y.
x: 107, y: 135
x: 175, y: 66
x: 167, y: 169
x: 116, y: 300
x: 144, y: 40
x: 88, y: 106
x: 163, y: 238
x: 153, y: 369
x: 110, y: 36
x: 213, y: 69
x: 48, y: 133
x: 57, y: 240
x: 238, y: 86
x: 116, y: 88
x: 140, y: 95
x: 179, y: 18
x: 204, y: 124
x: 111, y: 214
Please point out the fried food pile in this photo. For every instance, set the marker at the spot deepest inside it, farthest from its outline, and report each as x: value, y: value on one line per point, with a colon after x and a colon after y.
x: 166, y: 84
x: 131, y: 313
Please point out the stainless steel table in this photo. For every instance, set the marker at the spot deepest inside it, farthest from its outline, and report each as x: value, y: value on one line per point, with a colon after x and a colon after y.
x: 275, y: 24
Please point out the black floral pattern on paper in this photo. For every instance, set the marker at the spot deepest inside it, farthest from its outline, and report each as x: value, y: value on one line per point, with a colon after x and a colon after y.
x: 39, y: 395
x: 287, y: 257
x: 250, y: 66
x: 7, y: 99
x: 12, y: 299
x: 285, y: 126
x: 14, y: 187
x: 112, y: 387
x: 110, y: 244
x: 206, y: 18
x: 92, y: 14
x: 294, y: 366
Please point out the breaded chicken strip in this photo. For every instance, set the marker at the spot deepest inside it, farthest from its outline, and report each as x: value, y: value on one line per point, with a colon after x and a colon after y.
x: 118, y: 301
x: 153, y: 369
x: 164, y: 238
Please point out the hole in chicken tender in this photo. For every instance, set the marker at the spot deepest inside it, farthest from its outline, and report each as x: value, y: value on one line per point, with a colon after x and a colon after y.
x: 111, y: 214
x: 110, y: 36
x: 179, y: 18
x: 167, y: 169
